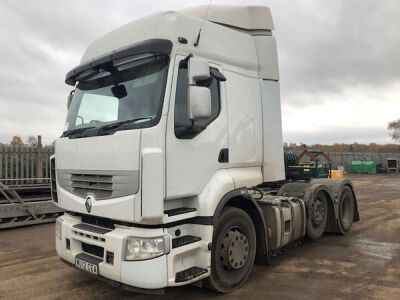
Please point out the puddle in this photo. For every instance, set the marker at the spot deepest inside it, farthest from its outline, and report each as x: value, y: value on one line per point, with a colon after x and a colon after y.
x: 381, y: 250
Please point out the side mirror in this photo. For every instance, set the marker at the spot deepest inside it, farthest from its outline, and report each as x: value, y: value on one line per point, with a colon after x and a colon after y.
x: 198, y: 69
x: 69, y: 99
x: 199, y: 97
x: 199, y: 102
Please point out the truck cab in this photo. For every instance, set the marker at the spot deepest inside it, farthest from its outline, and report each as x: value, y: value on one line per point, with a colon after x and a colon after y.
x: 172, y: 150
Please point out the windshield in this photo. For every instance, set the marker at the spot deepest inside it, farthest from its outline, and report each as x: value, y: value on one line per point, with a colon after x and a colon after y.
x: 125, y: 97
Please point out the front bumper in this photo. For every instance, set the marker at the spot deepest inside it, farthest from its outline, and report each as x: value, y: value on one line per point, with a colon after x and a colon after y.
x: 121, y: 285
x: 146, y: 274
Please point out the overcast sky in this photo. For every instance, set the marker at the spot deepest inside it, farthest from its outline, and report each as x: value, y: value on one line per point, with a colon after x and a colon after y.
x: 339, y: 62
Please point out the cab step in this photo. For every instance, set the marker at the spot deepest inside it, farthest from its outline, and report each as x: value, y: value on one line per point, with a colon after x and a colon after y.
x: 189, y: 274
x: 184, y: 240
x: 179, y: 211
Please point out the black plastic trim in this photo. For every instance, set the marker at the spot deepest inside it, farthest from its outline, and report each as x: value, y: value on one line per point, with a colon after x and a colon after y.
x: 91, y: 228
x: 223, y: 156
x: 187, y: 133
x: 189, y: 274
x: 89, y: 258
x: 93, y: 250
x: 156, y: 46
x: 200, y: 220
x: 184, y: 240
x: 179, y: 211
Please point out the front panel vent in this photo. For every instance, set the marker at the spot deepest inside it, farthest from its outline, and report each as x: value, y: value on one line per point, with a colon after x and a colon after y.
x: 101, y: 186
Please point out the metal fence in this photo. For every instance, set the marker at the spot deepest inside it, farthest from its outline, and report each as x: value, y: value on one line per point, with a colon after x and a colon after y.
x: 25, y: 191
x: 25, y: 162
x: 345, y: 158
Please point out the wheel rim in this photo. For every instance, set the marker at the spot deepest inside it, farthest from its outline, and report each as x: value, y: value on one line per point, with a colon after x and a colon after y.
x: 234, y: 250
x: 317, y: 212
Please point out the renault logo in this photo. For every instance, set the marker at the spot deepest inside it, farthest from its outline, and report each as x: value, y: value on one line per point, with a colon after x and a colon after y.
x: 89, y: 202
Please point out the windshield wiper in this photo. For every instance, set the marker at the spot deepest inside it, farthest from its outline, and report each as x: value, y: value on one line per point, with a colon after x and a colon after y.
x: 121, y: 123
x: 68, y: 133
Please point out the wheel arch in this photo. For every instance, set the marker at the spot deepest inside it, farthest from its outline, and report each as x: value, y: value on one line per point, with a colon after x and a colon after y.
x: 240, y: 198
x: 336, y: 187
x: 356, y: 216
x: 307, y: 192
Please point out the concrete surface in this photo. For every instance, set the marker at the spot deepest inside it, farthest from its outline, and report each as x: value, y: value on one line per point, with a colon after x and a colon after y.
x: 365, y: 264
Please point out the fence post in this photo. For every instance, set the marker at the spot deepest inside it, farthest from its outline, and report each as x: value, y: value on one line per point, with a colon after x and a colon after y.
x: 39, y: 161
x: 1, y: 160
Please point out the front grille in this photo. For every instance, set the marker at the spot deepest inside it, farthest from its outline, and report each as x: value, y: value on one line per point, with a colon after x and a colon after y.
x: 101, y: 186
x: 93, y: 249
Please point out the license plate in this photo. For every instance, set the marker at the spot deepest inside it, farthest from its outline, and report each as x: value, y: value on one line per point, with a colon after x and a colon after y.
x: 86, y: 266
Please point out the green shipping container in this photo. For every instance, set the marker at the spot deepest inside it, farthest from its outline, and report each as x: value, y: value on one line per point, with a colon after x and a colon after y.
x: 363, y: 166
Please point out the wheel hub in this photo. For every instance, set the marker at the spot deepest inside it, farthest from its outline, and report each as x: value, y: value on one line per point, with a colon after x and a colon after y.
x: 318, y: 212
x: 234, y: 250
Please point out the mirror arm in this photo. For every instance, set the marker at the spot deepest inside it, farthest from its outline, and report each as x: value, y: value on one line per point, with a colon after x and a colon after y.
x: 69, y: 99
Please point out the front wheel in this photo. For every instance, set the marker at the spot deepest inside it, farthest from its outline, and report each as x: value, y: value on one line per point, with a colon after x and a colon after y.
x: 233, y: 250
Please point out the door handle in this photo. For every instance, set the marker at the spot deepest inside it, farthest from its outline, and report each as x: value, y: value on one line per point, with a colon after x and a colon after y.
x: 223, y: 156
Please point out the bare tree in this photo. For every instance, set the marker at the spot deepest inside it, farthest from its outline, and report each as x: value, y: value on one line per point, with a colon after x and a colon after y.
x: 394, y: 128
x: 32, y: 141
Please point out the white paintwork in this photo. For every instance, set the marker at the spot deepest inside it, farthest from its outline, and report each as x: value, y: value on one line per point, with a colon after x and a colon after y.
x: 198, y: 69
x: 244, y: 17
x: 199, y: 102
x: 246, y: 177
x: 154, y: 138
x: 234, y: 48
x: 244, y: 120
x: 220, y: 183
x: 192, y: 162
x: 118, y: 208
x: 119, y: 151
x: 273, y: 161
x: 177, y: 172
x: 153, y: 185
x: 196, y: 254
x: 150, y: 274
x: 267, y: 56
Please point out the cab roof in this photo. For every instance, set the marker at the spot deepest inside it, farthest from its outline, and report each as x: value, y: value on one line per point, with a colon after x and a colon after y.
x: 243, y: 17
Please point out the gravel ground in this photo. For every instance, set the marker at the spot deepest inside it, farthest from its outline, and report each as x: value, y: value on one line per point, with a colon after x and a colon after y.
x: 365, y: 264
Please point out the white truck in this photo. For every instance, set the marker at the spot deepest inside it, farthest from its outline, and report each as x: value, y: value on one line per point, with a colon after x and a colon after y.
x: 171, y: 169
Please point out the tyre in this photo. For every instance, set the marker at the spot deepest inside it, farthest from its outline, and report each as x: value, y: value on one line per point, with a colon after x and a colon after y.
x: 346, y: 210
x: 318, y: 216
x: 233, y: 250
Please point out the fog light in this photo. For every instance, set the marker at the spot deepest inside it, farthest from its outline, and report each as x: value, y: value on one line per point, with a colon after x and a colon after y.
x: 145, y: 248
x: 59, y: 222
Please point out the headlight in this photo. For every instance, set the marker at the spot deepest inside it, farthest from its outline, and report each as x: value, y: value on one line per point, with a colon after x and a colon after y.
x: 59, y: 222
x: 145, y: 248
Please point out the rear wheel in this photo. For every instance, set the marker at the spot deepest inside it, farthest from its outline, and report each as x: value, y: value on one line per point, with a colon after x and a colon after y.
x: 318, y: 216
x: 233, y: 250
x: 346, y: 210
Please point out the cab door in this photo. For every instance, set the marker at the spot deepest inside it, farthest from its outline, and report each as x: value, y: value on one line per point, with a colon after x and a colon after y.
x: 194, y: 152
